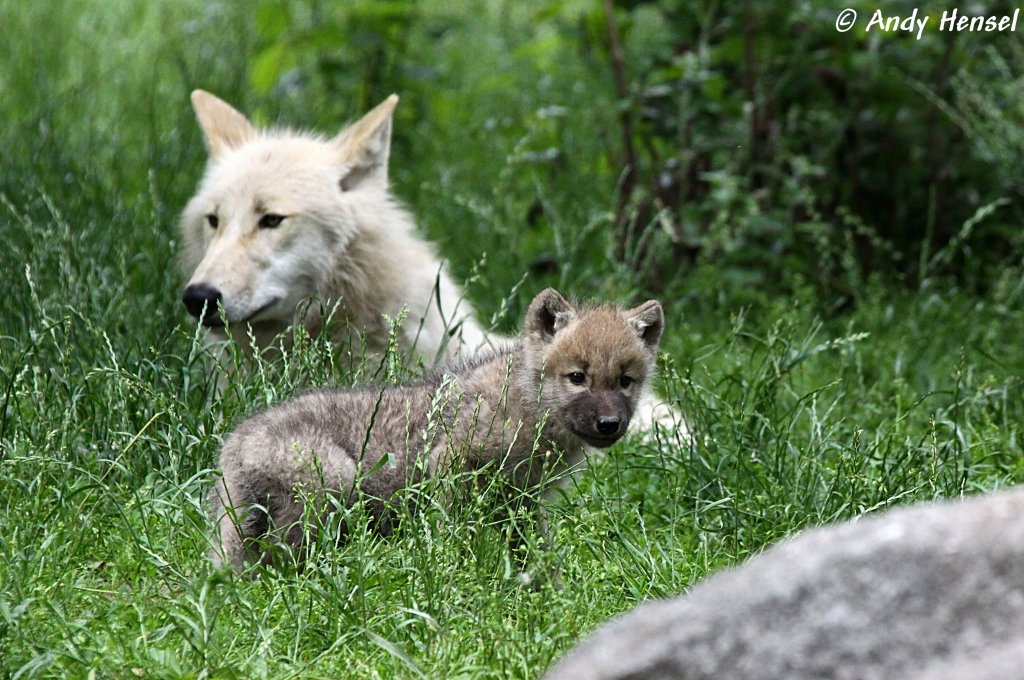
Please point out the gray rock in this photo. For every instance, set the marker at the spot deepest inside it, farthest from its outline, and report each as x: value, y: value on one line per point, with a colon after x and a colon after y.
x: 930, y: 591
x: 1004, y: 662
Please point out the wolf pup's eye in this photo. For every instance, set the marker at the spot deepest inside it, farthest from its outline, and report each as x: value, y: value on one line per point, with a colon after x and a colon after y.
x: 577, y: 378
x: 270, y: 220
x: 212, y: 220
x: 625, y: 381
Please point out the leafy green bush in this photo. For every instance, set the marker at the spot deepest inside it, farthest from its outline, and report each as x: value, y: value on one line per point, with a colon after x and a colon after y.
x: 766, y: 143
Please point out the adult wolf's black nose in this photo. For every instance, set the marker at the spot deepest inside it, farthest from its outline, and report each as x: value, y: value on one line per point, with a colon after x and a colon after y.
x: 199, y: 296
x: 608, y: 425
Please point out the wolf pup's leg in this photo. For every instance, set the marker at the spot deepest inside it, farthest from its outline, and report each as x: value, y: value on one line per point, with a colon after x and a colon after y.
x: 228, y: 502
x: 251, y: 514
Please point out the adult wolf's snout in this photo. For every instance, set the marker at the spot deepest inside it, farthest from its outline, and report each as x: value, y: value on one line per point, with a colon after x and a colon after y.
x: 199, y: 297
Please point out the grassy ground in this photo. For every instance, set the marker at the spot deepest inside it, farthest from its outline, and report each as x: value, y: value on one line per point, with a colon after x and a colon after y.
x: 109, y: 425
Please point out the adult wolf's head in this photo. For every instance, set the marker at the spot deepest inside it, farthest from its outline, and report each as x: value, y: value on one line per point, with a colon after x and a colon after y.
x: 274, y: 212
x: 590, y: 363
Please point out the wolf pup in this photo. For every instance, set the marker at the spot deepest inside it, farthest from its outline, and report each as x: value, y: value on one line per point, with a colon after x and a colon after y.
x: 281, y: 218
x: 571, y: 381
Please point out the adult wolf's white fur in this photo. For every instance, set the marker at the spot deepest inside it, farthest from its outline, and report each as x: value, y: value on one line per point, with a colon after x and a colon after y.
x: 282, y: 217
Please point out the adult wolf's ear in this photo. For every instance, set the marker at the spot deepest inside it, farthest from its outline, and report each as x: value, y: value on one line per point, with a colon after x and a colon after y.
x: 365, y: 145
x: 649, y: 321
x: 548, y: 313
x: 224, y: 128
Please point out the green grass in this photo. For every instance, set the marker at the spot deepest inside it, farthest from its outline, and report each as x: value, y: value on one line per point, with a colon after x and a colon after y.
x: 110, y: 424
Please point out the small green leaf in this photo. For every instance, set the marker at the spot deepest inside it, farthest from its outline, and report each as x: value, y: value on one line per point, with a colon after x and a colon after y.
x: 269, y: 65
x: 272, y: 20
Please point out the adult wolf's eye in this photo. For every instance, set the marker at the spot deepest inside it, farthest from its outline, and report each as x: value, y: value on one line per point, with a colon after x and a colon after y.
x: 625, y: 381
x: 270, y: 220
x: 212, y: 220
x: 577, y: 378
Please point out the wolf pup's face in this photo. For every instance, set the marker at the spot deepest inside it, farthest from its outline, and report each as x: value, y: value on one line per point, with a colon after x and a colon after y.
x: 273, y: 211
x: 593, y: 363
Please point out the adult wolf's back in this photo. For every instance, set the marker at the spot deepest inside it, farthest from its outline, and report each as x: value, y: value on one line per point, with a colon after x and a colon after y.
x: 282, y: 217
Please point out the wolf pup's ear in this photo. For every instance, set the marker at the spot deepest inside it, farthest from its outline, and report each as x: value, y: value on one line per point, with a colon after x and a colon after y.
x: 548, y: 313
x: 649, y: 321
x: 224, y: 128
x: 364, y: 146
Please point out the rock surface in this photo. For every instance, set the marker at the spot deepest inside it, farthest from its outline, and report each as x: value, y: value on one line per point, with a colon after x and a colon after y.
x: 927, y: 592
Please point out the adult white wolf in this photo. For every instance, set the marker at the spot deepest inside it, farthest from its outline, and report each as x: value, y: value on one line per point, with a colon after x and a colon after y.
x: 282, y: 217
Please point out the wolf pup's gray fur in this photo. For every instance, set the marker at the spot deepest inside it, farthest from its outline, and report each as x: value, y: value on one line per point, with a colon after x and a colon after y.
x: 573, y: 379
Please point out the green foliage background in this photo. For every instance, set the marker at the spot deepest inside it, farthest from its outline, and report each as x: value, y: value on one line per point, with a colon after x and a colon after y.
x: 831, y: 220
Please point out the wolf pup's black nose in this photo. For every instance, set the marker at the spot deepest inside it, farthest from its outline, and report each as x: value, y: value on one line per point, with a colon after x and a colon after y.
x: 608, y: 424
x: 199, y: 296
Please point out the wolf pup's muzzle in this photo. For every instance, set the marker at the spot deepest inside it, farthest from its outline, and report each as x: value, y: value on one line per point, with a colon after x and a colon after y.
x: 603, y: 431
